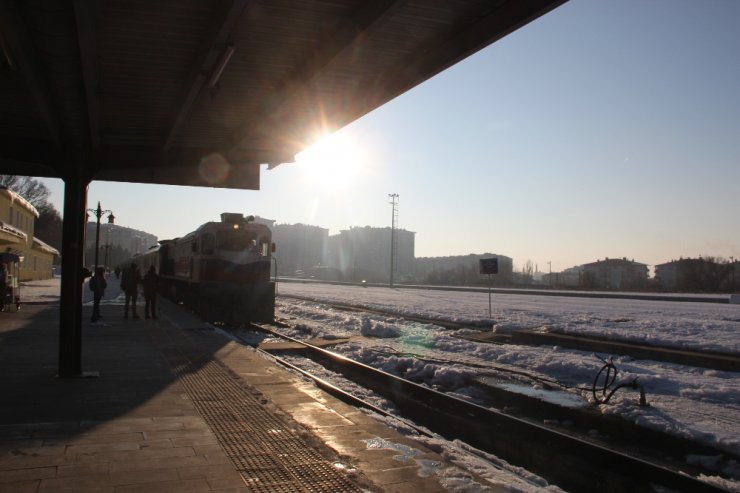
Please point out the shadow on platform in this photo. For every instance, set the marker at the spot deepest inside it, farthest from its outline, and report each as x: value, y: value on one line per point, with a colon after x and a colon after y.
x: 133, y: 358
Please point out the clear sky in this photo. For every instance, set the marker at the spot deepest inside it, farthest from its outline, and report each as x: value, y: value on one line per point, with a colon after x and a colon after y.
x: 603, y: 129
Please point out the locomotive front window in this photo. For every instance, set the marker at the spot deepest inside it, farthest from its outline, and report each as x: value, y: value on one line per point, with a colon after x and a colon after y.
x: 235, y: 241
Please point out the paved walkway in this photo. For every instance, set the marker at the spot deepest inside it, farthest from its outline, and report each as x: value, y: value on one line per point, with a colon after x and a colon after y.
x: 179, y: 407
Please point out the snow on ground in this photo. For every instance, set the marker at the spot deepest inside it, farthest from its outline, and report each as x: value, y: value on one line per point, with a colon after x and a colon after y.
x: 696, y: 403
x: 703, y: 326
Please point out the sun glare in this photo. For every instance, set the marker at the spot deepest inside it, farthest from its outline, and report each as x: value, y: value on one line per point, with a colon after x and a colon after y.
x: 333, y: 163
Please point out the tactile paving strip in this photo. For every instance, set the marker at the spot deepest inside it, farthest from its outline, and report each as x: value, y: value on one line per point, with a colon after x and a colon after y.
x: 269, y: 456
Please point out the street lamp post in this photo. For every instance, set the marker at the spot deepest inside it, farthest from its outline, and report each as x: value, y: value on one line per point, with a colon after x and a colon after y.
x: 98, y: 214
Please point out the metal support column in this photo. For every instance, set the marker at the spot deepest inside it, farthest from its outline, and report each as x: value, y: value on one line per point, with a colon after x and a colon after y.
x: 73, y: 234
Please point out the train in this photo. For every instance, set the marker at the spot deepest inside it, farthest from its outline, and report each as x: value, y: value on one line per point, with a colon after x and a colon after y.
x: 221, y: 270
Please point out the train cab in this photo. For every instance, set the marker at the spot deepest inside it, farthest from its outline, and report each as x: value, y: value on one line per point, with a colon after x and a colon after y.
x: 222, y: 269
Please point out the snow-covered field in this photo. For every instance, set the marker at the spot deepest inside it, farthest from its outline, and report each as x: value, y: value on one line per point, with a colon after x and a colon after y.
x: 697, y: 403
x: 702, y: 326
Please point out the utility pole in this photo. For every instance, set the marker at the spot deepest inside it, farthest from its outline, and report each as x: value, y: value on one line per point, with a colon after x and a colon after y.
x: 732, y: 274
x: 549, y: 277
x: 394, y: 219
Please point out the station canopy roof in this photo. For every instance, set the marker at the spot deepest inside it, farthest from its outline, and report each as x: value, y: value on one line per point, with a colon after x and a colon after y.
x: 201, y: 92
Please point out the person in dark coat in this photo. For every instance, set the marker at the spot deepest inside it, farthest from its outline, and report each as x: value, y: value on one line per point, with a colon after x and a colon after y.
x: 150, y: 282
x: 3, y: 285
x: 130, y: 279
x: 97, y: 286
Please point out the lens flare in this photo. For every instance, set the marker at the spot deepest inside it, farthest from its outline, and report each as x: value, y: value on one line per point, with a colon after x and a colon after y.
x: 214, y: 169
x: 333, y: 163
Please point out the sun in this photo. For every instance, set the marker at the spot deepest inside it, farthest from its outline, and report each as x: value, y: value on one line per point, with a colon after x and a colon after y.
x: 333, y: 163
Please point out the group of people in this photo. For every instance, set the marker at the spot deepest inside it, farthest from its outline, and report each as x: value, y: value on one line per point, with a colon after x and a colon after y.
x: 130, y: 280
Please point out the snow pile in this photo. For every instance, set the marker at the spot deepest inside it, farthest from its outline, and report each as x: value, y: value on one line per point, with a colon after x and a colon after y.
x: 369, y: 328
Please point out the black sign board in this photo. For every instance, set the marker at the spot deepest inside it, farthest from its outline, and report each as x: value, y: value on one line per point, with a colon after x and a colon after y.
x: 489, y: 265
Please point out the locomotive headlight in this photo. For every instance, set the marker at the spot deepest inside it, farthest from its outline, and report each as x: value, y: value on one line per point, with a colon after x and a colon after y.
x: 235, y: 226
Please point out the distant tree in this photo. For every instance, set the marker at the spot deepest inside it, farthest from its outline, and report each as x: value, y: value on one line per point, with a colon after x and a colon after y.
x: 32, y: 190
x: 528, y: 272
x: 49, y: 226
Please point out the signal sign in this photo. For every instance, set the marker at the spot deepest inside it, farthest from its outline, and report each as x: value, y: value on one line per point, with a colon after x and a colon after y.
x: 489, y: 265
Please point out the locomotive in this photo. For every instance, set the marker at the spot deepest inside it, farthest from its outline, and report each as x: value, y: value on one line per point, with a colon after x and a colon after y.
x: 221, y: 270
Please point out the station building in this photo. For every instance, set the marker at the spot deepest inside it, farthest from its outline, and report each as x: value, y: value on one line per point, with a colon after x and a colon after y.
x: 17, y: 220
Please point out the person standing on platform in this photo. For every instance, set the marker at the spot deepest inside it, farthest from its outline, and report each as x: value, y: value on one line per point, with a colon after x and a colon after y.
x: 97, y: 286
x: 3, y: 285
x: 130, y: 279
x: 150, y: 282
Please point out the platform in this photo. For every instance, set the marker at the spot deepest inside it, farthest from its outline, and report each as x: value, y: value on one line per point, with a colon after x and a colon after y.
x: 173, y: 405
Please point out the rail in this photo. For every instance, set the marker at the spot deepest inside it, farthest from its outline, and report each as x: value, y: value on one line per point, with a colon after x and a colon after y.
x: 570, y: 462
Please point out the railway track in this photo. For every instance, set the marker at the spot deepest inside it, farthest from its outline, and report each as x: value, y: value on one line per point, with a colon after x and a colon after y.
x: 673, y: 297
x: 702, y: 359
x: 640, y: 460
